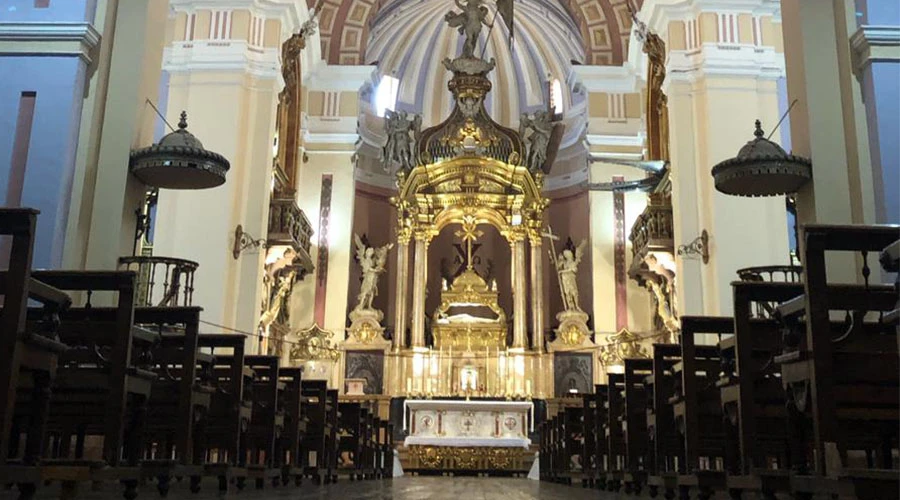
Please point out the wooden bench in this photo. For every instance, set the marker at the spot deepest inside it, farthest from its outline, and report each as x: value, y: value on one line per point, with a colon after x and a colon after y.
x: 589, y: 449
x: 751, y: 392
x: 697, y: 409
x: 664, y: 443
x: 842, y: 383
x: 263, y: 435
x: 612, y: 432
x: 315, y: 442
x: 103, y: 383
x: 634, y: 424
x: 295, y: 424
x: 27, y: 352
x: 222, y: 435
x: 180, y: 397
x: 601, y: 444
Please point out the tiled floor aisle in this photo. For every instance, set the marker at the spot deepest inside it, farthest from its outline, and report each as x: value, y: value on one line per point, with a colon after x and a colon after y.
x: 404, y: 488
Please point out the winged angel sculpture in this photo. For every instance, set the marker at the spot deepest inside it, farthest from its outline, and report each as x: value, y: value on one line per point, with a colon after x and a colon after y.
x: 402, y: 135
x: 540, y: 126
x: 567, y: 267
x: 371, y: 260
x: 468, y: 23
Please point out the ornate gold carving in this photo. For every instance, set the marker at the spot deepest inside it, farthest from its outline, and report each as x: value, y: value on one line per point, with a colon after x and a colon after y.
x: 501, y: 458
x: 429, y: 456
x: 621, y: 346
x: 467, y: 457
x: 314, y: 343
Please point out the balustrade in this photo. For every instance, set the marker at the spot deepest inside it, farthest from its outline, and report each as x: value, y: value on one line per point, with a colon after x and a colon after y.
x: 175, y: 275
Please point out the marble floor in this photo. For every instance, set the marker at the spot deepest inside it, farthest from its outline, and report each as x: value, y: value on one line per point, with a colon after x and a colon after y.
x: 403, y: 488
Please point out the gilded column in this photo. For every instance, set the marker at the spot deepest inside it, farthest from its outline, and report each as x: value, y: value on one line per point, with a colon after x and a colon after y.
x: 537, y: 295
x: 402, y: 281
x: 419, y: 283
x: 520, y: 320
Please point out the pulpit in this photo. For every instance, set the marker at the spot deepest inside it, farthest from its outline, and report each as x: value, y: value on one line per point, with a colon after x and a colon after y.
x: 468, y: 436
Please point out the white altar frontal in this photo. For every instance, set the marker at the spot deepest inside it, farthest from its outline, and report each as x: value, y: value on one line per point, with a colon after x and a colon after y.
x: 454, y: 435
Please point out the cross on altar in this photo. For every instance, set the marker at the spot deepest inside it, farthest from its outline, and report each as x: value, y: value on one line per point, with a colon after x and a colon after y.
x: 469, y: 233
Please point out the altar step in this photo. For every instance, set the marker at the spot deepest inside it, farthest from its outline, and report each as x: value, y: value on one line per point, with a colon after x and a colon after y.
x: 517, y: 468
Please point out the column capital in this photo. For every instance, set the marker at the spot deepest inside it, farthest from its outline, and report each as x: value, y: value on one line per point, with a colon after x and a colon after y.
x: 875, y: 43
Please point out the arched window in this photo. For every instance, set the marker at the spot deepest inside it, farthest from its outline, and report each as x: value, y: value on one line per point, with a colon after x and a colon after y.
x: 386, y: 94
x: 556, y: 96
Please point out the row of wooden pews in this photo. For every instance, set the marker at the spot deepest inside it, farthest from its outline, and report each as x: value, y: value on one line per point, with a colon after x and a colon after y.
x: 98, y: 391
x: 796, y: 395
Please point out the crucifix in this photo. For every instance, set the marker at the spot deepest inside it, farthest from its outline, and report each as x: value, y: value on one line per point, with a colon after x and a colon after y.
x: 469, y: 233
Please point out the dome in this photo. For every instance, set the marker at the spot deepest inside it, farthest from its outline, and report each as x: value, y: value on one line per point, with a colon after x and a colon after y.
x: 179, y: 161
x: 761, y: 168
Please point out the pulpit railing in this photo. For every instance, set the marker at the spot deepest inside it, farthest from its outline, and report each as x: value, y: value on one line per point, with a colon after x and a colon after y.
x: 161, y: 281
x: 288, y: 225
x: 652, y: 230
x: 775, y: 274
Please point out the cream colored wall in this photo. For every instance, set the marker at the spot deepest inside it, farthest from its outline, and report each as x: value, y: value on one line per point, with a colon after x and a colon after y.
x: 710, y: 119
x: 200, y: 225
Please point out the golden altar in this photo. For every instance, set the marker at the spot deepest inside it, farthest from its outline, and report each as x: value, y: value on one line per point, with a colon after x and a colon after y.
x: 469, y: 317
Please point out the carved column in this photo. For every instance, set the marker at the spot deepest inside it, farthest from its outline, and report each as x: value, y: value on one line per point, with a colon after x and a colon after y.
x: 419, y: 282
x: 402, y: 282
x: 537, y: 295
x: 520, y: 320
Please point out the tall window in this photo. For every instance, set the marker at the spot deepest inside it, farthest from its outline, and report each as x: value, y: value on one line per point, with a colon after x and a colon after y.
x: 556, y: 96
x: 386, y: 94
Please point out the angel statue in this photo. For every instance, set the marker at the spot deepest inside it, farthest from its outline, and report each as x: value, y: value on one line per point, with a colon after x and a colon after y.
x: 371, y: 260
x: 468, y: 23
x: 402, y: 133
x: 541, y: 126
x: 567, y: 268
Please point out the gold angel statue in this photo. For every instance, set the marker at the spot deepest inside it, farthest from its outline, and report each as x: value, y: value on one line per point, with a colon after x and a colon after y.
x: 371, y: 260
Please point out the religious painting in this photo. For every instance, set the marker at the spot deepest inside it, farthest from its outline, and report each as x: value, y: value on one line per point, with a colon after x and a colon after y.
x: 368, y: 365
x: 572, y: 373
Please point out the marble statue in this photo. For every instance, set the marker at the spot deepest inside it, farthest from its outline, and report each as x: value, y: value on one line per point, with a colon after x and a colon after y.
x: 567, y: 267
x: 371, y: 260
x: 402, y: 133
x: 541, y: 126
x: 468, y: 23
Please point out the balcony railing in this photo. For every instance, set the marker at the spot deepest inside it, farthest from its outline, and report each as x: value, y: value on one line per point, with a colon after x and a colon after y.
x: 162, y: 281
x: 289, y: 226
x: 652, y: 231
x: 778, y: 274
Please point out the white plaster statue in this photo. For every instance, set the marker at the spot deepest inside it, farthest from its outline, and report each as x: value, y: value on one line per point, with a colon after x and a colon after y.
x: 541, y: 126
x: 402, y: 134
x: 468, y: 23
x: 371, y: 260
x: 567, y: 267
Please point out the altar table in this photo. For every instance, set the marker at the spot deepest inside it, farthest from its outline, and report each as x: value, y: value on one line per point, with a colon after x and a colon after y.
x: 468, y: 435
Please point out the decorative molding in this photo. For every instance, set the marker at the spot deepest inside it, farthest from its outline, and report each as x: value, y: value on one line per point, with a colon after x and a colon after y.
x: 291, y: 13
x: 222, y: 55
x: 339, y: 78
x: 658, y: 13
x: 48, y: 39
x: 875, y: 43
x: 616, y: 140
x: 724, y: 59
x: 614, y: 79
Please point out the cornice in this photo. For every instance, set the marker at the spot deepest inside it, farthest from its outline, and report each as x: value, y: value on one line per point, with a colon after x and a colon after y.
x: 289, y: 12
x: 221, y: 55
x: 875, y: 43
x: 45, y: 39
x: 724, y: 60
x: 658, y: 13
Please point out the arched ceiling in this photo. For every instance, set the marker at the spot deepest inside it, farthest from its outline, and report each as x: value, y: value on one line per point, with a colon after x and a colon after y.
x: 603, y: 27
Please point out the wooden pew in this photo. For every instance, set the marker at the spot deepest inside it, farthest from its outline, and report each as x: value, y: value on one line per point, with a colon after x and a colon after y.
x: 634, y: 423
x: 331, y: 448
x: 842, y: 385
x: 103, y: 382
x: 314, y: 447
x: 601, y: 444
x: 545, y: 467
x: 570, y: 436
x: 589, y: 450
x: 664, y: 445
x: 222, y: 438
x: 295, y: 425
x: 752, y: 394
x: 697, y: 407
x: 181, y: 395
x: 352, y: 439
x: 263, y: 436
x: 386, y: 442
x: 26, y: 352
x: 612, y: 432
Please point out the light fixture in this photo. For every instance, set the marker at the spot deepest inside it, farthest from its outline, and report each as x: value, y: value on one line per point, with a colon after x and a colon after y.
x: 243, y: 241
x: 699, y: 246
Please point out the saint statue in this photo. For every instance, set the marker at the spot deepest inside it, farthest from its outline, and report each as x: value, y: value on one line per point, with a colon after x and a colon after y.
x: 372, y: 261
x: 275, y: 305
x: 541, y: 126
x: 402, y: 133
x: 468, y: 23
x: 567, y: 268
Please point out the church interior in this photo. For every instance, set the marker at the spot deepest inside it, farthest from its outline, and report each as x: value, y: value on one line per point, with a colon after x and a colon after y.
x: 431, y: 248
